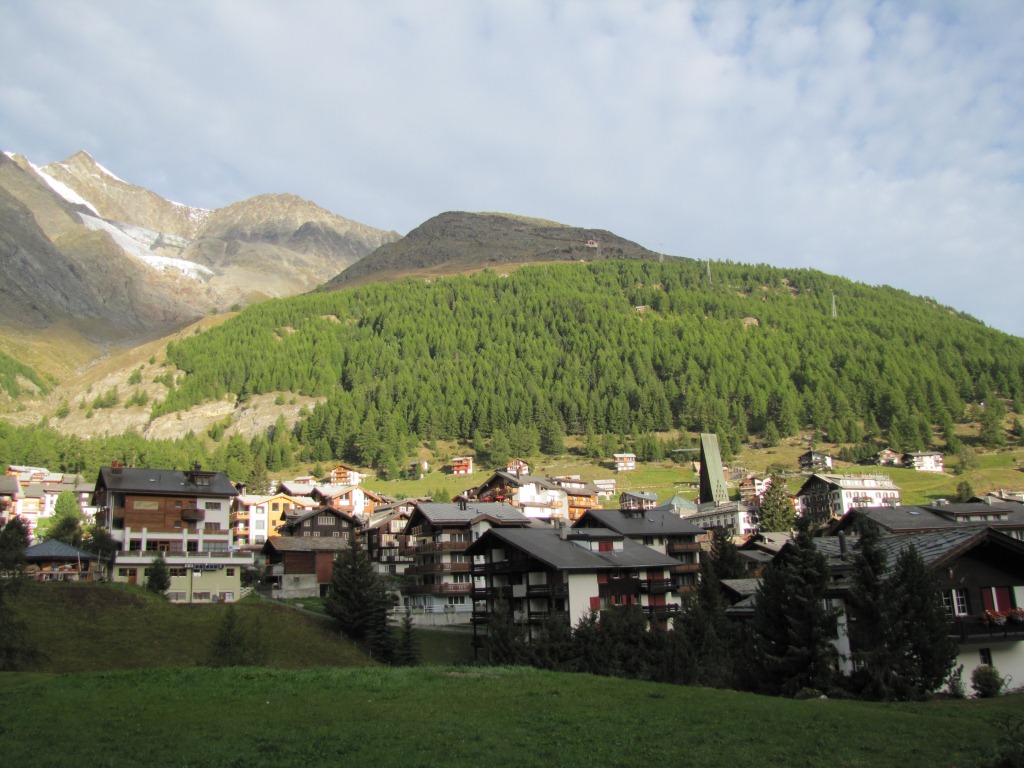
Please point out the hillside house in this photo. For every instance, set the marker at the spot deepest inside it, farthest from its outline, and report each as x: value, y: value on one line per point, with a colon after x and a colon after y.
x: 254, y: 519
x: 887, y: 458
x: 322, y: 522
x: 299, y: 566
x: 752, y: 489
x: 517, y: 467
x: 185, y: 515
x: 535, y: 497
x: 923, y: 461
x: 31, y: 493
x: 351, y: 499
x: 637, y: 500
x: 384, y: 536
x: 659, y: 528
x: 814, y: 461
x: 624, y: 462
x: 462, y: 465
x: 343, y: 474
x: 541, y: 572
x: 437, y: 537
x: 828, y: 497
x: 734, y: 516
x: 580, y: 495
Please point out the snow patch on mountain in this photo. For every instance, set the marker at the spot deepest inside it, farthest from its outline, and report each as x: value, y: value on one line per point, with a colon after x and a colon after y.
x: 140, y: 242
x: 64, y: 190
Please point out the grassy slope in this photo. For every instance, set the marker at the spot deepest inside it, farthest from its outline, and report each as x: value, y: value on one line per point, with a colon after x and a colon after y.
x: 437, y: 716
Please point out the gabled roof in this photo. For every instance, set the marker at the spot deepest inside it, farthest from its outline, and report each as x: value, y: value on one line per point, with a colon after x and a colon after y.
x: 443, y: 513
x: 935, y: 547
x: 851, y: 482
x: 546, y: 545
x: 9, y: 486
x: 57, y: 550
x: 653, y: 522
x: 642, y: 495
x: 164, y: 482
x: 296, y: 489
x: 518, y: 481
x: 297, y: 520
x: 305, y: 544
x: 905, y: 518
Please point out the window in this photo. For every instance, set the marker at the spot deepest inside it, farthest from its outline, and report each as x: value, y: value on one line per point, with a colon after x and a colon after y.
x: 305, y: 523
x: 259, y: 525
x: 985, y: 654
x: 229, y: 572
x: 128, y: 573
x: 461, y: 578
x: 200, y: 596
x: 604, y: 546
x: 315, y: 534
x: 955, y: 601
x: 325, y: 520
x: 275, y: 507
x: 192, y: 546
x: 227, y: 597
x: 176, y: 571
x: 336, y: 534
x: 211, y: 505
x: 456, y: 600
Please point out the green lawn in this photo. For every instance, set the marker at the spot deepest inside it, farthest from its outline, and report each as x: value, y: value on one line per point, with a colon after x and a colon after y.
x: 443, y: 716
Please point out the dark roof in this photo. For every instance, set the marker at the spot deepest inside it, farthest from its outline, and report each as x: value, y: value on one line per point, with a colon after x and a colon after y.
x: 653, y: 522
x: 57, y: 550
x: 934, y: 547
x: 297, y: 520
x: 547, y: 546
x: 165, y: 482
x: 9, y: 485
x: 452, y: 513
x: 935, y: 516
x: 305, y: 544
x: 644, y: 495
x: 741, y: 587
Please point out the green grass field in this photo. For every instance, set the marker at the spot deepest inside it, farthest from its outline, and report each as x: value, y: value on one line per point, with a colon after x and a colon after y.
x: 445, y: 716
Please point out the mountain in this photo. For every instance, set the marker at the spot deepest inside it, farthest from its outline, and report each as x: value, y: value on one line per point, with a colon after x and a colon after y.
x: 458, y: 242
x: 117, y: 263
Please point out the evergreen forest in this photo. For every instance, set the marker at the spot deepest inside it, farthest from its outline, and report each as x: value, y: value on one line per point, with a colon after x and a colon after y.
x: 611, y: 347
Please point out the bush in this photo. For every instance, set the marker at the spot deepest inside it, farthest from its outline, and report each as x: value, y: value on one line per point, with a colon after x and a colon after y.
x: 986, y: 681
x: 955, y: 684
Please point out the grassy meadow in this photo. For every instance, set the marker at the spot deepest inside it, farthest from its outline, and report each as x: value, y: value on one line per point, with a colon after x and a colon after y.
x: 462, y: 716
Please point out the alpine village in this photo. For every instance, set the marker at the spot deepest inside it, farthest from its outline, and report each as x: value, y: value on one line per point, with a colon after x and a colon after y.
x: 511, y: 457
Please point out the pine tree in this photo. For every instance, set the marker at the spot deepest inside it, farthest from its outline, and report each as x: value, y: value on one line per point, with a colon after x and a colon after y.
x: 792, y: 629
x: 158, y: 576
x: 777, y: 512
x: 13, y: 543
x: 66, y: 524
x: 407, y: 653
x: 352, y: 597
x: 917, y: 616
x: 229, y: 647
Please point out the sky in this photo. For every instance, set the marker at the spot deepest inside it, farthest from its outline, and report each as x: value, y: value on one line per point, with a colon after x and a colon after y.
x: 879, y: 141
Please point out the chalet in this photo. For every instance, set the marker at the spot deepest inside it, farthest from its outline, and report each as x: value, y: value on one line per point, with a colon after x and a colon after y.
x: 517, y: 467
x: 581, y: 496
x: 322, y: 522
x: 384, y: 535
x: 256, y: 518
x: 462, y: 465
x: 624, y: 462
x: 535, y: 497
x: 887, y: 458
x: 752, y: 488
x: 345, y: 475
x: 923, y: 461
x: 823, y: 498
x: 659, y: 528
x: 53, y: 560
x: 536, y: 573
x: 734, y: 516
x: 605, y: 488
x: 10, y: 495
x: 347, y: 498
x: 437, y: 537
x: 980, y: 573
x: 814, y: 461
x: 637, y: 500
x: 182, y: 514
x: 1004, y: 516
x: 31, y: 493
x: 299, y: 566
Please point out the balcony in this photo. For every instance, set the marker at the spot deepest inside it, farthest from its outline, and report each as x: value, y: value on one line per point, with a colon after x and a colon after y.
x: 437, y: 589
x: 439, y: 546
x: 686, y: 568
x: 658, y: 586
x: 438, y: 568
x: 193, y: 515
x: 678, y: 547
x: 973, y: 628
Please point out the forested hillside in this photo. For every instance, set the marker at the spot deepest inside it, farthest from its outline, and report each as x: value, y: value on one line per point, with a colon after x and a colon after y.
x: 609, y: 347
x: 14, y: 376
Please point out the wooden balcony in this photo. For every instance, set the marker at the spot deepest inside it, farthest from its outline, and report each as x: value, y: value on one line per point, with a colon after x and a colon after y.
x: 437, y: 589
x: 658, y: 586
x: 679, y: 547
x: 193, y: 515
x: 438, y: 568
x: 974, y: 628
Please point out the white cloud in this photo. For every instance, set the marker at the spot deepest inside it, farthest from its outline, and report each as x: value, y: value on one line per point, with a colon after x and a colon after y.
x: 869, y: 140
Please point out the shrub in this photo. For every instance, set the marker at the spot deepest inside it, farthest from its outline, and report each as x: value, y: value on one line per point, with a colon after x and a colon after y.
x: 986, y: 681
